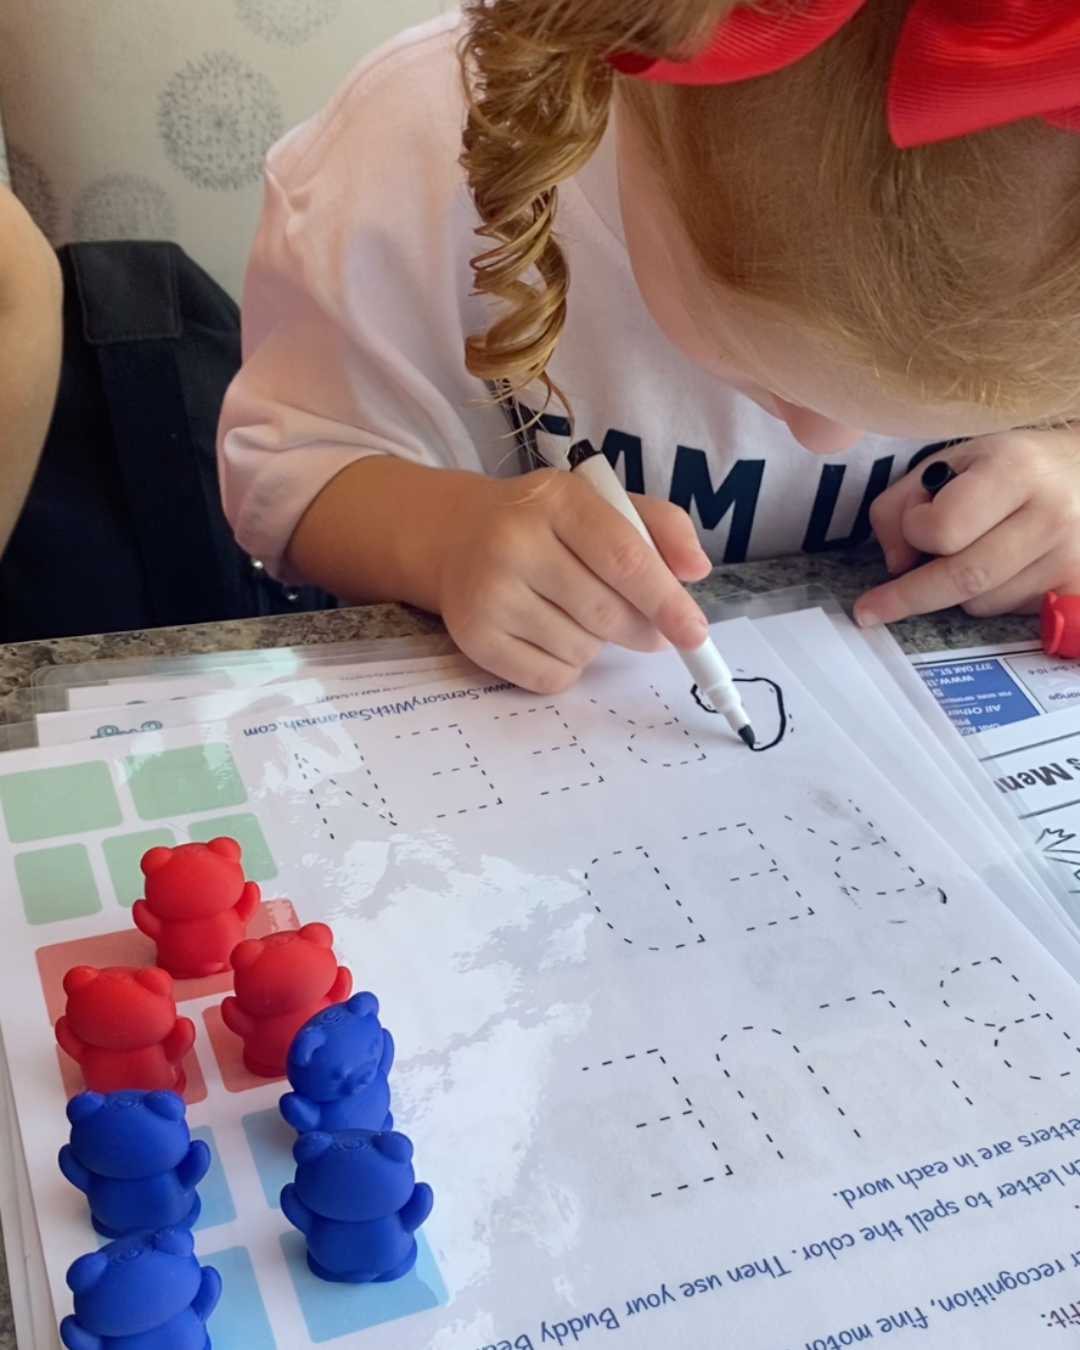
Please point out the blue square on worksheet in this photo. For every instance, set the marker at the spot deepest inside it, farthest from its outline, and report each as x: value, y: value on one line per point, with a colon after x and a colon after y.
x: 214, y: 1193
x: 333, y: 1310
x: 271, y: 1141
x: 239, y: 1322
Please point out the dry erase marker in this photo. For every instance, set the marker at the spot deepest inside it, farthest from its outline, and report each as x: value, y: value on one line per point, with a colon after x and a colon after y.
x: 705, y: 664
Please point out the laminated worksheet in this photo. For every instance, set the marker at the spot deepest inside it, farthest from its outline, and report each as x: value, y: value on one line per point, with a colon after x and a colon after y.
x: 199, y: 705
x: 696, y: 1046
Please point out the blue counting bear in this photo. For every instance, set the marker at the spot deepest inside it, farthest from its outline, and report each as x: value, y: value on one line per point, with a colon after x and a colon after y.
x: 357, y: 1201
x: 132, y: 1155
x: 145, y: 1291
x: 338, y: 1064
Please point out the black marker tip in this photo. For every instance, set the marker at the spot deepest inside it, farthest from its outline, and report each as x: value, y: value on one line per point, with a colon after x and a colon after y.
x: 747, y: 734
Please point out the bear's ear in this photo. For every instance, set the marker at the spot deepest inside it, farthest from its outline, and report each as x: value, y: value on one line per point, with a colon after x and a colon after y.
x: 155, y: 979
x: 306, y: 1041
x: 154, y: 859
x: 318, y: 933
x: 165, y: 1104
x: 225, y: 847
x: 84, y: 1273
x: 78, y: 977
x: 363, y: 1005
x: 173, y: 1241
x: 311, y: 1146
x: 246, y: 953
x: 84, y: 1105
x: 397, y: 1147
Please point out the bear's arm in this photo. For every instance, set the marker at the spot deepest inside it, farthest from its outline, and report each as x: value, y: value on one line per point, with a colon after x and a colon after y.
x: 194, y: 1165
x: 180, y: 1040
x: 206, y: 1300
x: 68, y: 1041
x: 236, y: 1018
x: 76, y: 1337
x: 417, y: 1208
x: 76, y: 1173
x: 300, y: 1112
x: 248, y: 903
x: 146, y: 921
x: 295, y: 1210
x: 342, y: 987
x: 387, y: 1061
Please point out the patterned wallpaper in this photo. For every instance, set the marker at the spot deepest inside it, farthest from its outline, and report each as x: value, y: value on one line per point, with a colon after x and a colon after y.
x: 147, y: 119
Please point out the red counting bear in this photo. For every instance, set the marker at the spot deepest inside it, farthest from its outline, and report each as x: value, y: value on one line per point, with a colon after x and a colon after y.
x: 197, y: 906
x: 280, y: 982
x: 121, y: 1028
x: 1059, y: 625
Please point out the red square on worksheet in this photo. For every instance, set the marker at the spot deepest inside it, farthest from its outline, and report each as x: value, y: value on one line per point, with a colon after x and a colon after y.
x: 194, y: 1089
x: 229, y: 1052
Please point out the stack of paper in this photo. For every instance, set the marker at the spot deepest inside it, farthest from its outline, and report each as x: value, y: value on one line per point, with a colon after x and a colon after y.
x: 696, y: 1046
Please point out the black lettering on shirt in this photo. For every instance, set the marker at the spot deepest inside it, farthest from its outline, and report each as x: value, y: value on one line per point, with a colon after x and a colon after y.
x: 832, y: 478
x: 692, y: 485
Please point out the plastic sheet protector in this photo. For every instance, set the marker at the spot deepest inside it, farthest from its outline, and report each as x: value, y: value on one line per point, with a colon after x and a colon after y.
x: 696, y: 1046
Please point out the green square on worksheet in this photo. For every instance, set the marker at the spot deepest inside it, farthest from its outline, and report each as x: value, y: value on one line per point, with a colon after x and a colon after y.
x: 123, y: 853
x: 181, y: 782
x: 255, y: 856
x: 57, y: 883
x: 47, y: 803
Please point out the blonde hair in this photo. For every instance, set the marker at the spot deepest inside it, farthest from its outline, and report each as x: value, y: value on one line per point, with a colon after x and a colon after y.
x: 951, y: 271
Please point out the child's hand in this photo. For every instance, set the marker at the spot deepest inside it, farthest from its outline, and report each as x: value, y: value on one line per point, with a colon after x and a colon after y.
x: 538, y: 572
x: 1002, y: 533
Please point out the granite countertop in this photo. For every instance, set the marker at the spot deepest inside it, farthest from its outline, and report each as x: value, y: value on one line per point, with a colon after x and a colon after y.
x: 845, y: 573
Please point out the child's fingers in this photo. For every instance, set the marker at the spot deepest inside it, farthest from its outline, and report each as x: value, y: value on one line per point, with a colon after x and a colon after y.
x: 979, y: 570
x: 986, y: 493
x: 1023, y: 593
x: 674, y: 535
x: 909, y: 523
x: 887, y: 519
x: 521, y: 662
x: 547, y: 627
x: 1057, y: 569
x: 588, y: 607
x: 517, y: 633
x: 612, y: 550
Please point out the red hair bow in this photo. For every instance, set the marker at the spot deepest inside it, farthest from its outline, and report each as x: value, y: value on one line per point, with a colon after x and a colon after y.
x: 960, y: 65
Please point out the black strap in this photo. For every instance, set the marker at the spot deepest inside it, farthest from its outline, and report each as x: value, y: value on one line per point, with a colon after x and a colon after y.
x: 132, y: 317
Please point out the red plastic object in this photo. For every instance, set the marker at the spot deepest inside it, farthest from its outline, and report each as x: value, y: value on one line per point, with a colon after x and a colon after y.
x: 121, y: 1028
x: 197, y: 906
x: 1059, y: 624
x: 281, y: 981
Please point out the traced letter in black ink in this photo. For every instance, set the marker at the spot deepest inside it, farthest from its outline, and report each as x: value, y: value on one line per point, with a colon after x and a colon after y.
x: 759, y: 714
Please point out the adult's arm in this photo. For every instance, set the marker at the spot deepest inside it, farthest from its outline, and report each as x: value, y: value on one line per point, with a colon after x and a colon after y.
x: 30, y: 344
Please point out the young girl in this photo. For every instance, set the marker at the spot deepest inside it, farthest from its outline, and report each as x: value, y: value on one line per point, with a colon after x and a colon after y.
x: 713, y: 237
